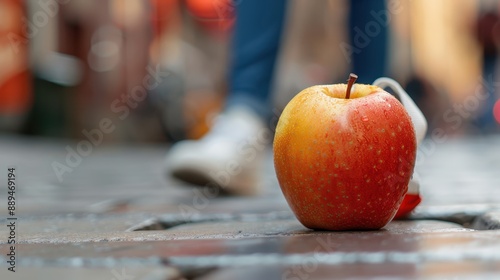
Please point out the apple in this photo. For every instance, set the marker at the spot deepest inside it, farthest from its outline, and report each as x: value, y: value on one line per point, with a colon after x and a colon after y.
x: 344, y: 155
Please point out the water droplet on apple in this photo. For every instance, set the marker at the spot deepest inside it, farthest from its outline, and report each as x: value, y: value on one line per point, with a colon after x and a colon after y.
x: 365, y: 118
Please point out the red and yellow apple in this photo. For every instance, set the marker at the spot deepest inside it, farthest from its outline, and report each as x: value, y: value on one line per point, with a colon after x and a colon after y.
x: 344, y: 155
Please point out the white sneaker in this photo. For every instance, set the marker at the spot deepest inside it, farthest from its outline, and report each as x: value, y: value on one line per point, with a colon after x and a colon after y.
x: 229, y: 156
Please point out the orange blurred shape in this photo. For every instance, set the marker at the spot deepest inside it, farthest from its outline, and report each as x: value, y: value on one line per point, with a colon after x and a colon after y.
x: 161, y: 13
x: 200, y: 106
x: 15, y: 94
x: 15, y: 80
x: 213, y: 15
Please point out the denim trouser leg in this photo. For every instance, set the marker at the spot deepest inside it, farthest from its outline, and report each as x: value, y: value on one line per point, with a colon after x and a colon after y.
x: 255, y: 45
x: 256, y: 41
x: 370, y: 62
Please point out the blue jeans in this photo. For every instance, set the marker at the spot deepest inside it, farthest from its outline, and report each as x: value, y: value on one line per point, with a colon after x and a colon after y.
x: 256, y: 42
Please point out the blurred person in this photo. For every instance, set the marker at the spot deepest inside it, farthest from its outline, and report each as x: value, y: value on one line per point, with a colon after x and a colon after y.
x: 190, y: 43
x: 15, y: 78
x: 230, y: 155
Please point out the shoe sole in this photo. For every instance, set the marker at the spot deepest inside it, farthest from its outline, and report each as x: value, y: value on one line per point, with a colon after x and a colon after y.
x: 197, y: 179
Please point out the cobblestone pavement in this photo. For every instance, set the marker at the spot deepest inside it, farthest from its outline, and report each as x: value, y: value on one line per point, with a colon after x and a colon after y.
x: 114, y: 215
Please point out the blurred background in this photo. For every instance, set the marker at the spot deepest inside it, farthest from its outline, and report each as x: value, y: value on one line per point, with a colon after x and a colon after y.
x: 156, y: 68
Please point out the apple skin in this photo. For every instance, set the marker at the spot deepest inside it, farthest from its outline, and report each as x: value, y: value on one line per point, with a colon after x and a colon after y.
x: 344, y: 164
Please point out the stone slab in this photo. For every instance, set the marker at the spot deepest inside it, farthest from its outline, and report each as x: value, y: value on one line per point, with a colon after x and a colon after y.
x: 400, y: 251
x: 246, y: 239
x: 313, y: 270
x: 111, y: 273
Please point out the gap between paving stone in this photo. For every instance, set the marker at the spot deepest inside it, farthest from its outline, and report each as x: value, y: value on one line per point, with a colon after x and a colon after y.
x: 488, y: 221
x: 473, y: 216
x: 478, y: 217
x: 169, y: 221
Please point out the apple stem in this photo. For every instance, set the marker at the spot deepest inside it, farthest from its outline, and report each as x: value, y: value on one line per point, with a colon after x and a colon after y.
x: 350, y: 82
